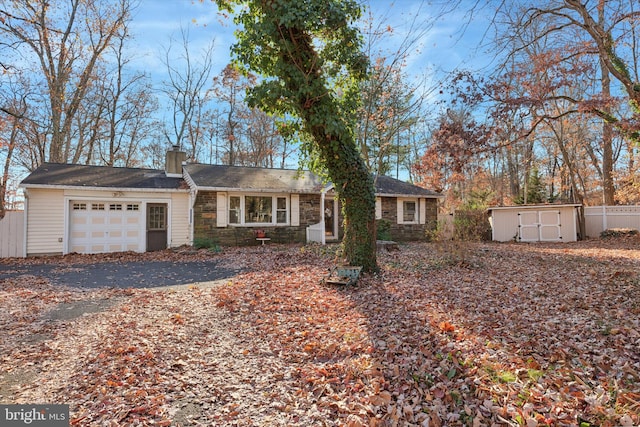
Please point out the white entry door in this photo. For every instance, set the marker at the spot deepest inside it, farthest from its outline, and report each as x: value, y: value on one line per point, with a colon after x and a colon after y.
x: 105, y: 226
x: 539, y: 226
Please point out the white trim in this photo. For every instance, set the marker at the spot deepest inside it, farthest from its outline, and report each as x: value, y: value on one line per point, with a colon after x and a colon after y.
x: 422, y: 212
x: 400, y: 210
x: 534, y: 207
x: 142, y: 243
x: 274, y: 209
x: 107, y: 189
x: 26, y: 223
x: 378, y: 207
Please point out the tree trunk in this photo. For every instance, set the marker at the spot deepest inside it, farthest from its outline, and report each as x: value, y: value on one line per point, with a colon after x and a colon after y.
x: 608, y: 188
x: 337, y: 149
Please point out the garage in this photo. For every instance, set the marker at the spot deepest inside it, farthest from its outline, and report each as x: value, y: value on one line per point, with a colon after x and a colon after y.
x: 99, y: 209
x: 105, y: 226
x: 534, y: 223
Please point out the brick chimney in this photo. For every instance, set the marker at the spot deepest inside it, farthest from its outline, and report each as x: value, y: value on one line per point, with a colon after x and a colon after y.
x: 174, y: 161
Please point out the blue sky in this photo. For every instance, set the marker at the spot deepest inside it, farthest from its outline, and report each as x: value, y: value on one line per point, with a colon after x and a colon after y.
x: 443, y: 45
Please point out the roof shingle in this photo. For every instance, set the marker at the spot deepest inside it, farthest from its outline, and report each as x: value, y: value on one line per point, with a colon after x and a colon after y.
x: 69, y: 175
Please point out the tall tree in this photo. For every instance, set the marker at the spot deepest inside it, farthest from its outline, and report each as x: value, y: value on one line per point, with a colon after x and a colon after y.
x: 67, y: 40
x: 600, y: 34
x: 309, y: 55
x: 189, y: 90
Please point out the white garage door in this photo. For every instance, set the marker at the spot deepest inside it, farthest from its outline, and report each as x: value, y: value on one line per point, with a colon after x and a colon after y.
x: 105, y: 226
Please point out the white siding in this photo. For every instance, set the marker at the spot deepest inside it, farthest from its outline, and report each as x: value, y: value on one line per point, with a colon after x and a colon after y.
x: 45, y: 221
x: 48, y: 229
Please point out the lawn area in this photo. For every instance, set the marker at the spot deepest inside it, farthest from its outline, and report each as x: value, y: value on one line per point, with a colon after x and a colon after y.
x: 446, y: 334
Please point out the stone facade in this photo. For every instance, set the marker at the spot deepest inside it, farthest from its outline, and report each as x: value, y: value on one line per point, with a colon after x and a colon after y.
x: 408, y: 232
x: 205, y: 223
x: 205, y: 219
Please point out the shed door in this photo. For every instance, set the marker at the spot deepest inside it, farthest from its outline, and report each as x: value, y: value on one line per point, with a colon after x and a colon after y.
x: 104, y: 226
x: 156, y: 226
x: 539, y: 226
x: 550, y: 227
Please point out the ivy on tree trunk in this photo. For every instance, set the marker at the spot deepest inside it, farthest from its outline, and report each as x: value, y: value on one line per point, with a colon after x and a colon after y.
x: 310, y: 60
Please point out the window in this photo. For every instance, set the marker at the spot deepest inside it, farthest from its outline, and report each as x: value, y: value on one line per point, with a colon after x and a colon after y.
x: 281, y: 210
x: 97, y: 206
x: 79, y: 206
x: 115, y: 207
x: 133, y: 207
x: 156, y: 217
x: 258, y: 209
x: 234, y: 210
x: 408, y: 211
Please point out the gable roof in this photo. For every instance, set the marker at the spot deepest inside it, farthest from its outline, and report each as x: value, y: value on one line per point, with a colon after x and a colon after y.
x: 240, y: 178
x: 203, y: 177
x: 70, y: 175
x: 387, y: 186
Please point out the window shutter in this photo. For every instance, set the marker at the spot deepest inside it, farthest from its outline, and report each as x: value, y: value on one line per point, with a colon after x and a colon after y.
x: 422, y: 213
x: 378, y: 207
x: 400, y: 213
x: 221, y: 210
x: 295, y: 210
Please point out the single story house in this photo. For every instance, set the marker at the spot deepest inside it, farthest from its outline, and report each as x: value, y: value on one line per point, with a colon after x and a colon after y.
x: 95, y: 209
x: 534, y: 223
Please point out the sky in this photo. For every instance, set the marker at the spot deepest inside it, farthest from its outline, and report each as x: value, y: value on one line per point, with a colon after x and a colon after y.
x: 445, y: 43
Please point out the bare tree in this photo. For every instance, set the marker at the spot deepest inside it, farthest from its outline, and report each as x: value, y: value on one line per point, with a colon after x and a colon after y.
x: 600, y: 36
x: 67, y: 40
x: 189, y: 90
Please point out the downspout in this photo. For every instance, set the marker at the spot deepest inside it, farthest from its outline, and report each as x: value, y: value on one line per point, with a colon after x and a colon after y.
x: 25, y: 223
x: 193, y: 193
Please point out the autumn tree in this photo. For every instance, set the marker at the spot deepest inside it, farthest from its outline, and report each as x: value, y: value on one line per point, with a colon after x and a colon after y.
x: 66, y: 40
x: 603, y: 35
x: 308, y: 55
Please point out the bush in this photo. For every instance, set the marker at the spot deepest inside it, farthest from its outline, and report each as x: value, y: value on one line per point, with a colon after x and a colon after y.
x: 383, y: 229
x: 471, y: 226
x: 206, y: 243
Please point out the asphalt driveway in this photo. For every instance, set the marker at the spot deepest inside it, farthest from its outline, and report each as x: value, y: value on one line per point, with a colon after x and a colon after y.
x: 142, y: 274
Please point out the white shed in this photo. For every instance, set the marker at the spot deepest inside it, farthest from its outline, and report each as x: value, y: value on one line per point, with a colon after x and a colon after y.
x: 534, y: 223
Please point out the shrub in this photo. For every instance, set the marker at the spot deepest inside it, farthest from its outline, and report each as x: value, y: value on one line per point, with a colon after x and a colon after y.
x: 383, y: 229
x: 206, y: 243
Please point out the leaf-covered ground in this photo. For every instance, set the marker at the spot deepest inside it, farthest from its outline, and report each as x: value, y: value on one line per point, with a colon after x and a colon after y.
x: 472, y: 334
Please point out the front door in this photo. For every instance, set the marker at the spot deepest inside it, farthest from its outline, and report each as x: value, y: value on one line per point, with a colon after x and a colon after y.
x: 330, y: 218
x: 156, y: 226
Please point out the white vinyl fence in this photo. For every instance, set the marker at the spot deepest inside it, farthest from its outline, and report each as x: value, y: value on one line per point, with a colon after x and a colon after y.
x: 12, y: 234
x: 600, y: 218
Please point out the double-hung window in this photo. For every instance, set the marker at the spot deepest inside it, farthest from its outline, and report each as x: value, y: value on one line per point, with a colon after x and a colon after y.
x: 251, y: 209
x: 408, y: 211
